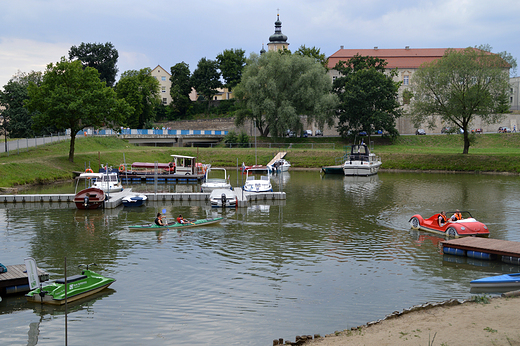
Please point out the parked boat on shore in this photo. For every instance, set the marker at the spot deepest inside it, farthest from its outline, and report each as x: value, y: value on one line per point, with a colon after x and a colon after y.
x: 499, y: 281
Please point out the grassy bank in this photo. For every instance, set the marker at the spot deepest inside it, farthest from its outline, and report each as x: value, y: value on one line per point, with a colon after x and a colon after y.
x: 489, y: 153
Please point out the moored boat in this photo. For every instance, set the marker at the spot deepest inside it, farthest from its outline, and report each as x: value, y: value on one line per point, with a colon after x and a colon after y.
x: 134, y: 200
x: 257, y: 181
x: 78, y: 287
x: 222, y: 198
x: 108, y: 182
x: 361, y: 161
x: 499, y: 281
x: 281, y: 165
x: 89, y: 198
x: 213, y: 182
x: 196, y: 223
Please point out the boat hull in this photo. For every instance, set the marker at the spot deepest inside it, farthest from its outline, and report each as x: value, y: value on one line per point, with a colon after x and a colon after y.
x: 361, y: 168
x: 500, y: 281
x: 154, y: 227
x: 95, y: 201
x: 134, y: 201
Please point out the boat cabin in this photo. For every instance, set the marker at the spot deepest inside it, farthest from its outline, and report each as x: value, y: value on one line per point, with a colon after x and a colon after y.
x: 359, y: 152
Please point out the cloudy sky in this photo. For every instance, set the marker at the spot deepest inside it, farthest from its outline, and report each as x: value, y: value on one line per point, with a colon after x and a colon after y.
x: 34, y: 33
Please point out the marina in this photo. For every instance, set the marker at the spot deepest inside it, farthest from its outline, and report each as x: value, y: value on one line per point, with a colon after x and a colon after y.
x: 15, y: 279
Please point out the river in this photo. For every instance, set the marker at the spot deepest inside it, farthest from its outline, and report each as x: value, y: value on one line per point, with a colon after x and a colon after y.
x: 338, y: 253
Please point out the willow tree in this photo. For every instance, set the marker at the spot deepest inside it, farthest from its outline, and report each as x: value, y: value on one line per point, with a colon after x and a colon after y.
x: 276, y: 89
x: 460, y: 86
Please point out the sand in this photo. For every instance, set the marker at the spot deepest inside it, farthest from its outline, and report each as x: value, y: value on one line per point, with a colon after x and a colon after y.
x: 495, y: 323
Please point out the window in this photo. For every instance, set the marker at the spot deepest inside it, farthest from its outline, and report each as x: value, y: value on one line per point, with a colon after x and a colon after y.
x: 164, y: 101
x: 406, y: 80
x: 163, y: 78
x: 163, y: 89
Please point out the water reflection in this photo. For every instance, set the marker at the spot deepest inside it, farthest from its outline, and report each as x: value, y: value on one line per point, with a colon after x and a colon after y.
x: 339, y: 252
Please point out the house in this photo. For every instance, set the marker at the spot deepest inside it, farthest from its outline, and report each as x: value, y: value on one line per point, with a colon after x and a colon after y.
x: 163, y: 77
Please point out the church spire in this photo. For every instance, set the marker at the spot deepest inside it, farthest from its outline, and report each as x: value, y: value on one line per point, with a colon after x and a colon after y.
x: 277, y: 40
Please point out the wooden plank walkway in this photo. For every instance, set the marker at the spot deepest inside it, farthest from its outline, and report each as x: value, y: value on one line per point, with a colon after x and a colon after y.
x: 15, y: 279
x: 487, y: 245
x: 277, y: 157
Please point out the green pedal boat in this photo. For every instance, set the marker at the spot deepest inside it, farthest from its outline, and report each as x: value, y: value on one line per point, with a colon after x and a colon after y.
x: 196, y: 223
x: 78, y: 287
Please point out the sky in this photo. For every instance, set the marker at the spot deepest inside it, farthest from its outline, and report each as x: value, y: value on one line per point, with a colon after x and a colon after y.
x: 34, y: 33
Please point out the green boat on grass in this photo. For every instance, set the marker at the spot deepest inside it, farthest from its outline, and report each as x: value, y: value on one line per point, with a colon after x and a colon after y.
x: 196, y: 223
x: 78, y: 286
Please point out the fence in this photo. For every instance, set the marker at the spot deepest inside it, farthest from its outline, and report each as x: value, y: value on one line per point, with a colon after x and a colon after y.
x: 15, y: 146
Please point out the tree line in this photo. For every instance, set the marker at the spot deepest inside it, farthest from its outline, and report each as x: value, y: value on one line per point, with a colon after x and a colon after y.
x: 273, y: 90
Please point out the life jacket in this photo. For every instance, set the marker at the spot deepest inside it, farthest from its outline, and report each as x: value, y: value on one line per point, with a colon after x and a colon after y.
x: 179, y: 219
x: 444, y: 218
x: 458, y: 216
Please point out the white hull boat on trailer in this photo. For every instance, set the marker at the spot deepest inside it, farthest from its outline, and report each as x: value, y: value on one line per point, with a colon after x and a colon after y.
x: 257, y: 181
x: 361, y: 162
x: 214, y: 183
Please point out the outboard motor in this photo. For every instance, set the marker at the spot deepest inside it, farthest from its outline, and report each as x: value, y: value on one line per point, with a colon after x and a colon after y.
x: 223, y: 199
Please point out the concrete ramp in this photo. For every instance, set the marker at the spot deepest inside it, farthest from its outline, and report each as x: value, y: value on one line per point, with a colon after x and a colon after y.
x: 277, y: 157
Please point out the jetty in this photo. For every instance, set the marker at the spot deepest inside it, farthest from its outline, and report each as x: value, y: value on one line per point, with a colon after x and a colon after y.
x: 116, y: 198
x: 15, y: 279
x: 483, y: 248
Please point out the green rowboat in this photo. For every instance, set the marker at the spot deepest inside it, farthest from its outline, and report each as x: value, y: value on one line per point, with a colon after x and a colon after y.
x: 154, y: 227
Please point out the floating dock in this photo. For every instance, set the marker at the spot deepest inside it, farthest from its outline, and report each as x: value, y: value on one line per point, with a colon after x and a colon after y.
x: 483, y: 248
x: 15, y: 280
x: 244, y: 198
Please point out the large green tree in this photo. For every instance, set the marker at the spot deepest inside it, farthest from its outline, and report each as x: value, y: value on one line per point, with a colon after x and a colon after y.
x: 181, y: 88
x: 460, y: 86
x: 73, y: 97
x: 17, y: 120
x: 277, y: 88
x: 231, y: 63
x: 368, y: 96
x: 206, y: 79
x: 102, y: 57
x: 313, y: 53
x: 141, y: 91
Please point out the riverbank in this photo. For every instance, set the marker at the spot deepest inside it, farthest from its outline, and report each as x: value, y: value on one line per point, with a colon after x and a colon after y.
x: 490, y: 153
x: 493, y: 321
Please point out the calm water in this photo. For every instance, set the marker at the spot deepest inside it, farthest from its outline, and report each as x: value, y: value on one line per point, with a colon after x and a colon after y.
x: 337, y: 254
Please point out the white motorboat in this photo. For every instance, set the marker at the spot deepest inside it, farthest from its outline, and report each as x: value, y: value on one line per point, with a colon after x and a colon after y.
x: 108, y: 182
x: 281, y: 165
x: 215, y: 179
x: 257, y: 181
x: 361, y: 161
x: 223, y: 198
x: 134, y: 200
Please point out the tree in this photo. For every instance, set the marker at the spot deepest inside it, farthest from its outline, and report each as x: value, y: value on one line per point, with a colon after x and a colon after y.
x: 460, y: 86
x: 313, y: 53
x: 206, y: 79
x: 231, y: 63
x: 141, y: 91
x: 507, y: 57
x: 102, y: 57
x: 276, y: 89
x: 16, y: 119
x: 181, y: 88
x: 368, y: 96
x: 71, y: 97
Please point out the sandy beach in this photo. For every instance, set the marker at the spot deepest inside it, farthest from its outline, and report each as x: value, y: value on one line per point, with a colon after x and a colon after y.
x: 495, y: 323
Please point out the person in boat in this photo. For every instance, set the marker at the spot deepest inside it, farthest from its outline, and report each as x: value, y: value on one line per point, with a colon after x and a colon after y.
x: 159, y: 220
x: 180, y: 219
x: 86, y: 200
x: 442, y: 218
x: 457, y: 216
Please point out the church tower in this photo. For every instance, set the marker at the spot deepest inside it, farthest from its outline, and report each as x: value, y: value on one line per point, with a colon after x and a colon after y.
x: 277, y: 40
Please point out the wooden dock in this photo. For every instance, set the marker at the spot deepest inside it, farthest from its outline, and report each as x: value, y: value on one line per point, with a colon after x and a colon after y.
x: 15, y: 279
x: 484, y: 248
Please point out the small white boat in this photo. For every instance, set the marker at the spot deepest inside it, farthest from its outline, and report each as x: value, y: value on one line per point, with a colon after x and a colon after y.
x: 361, y: 161
x: 108, y: 182
x: 135, y: 200
x: 281, y: 165
x: 257, y: 181
x: 223, y: 198
x: 213, y: 183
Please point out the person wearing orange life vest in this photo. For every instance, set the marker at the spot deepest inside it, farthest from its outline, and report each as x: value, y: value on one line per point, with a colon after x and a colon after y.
x: 180, y: 219
x: 442, y: 218
x: 457, y: 216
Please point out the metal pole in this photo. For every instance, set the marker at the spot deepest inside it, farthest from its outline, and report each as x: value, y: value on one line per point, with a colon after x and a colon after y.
x: 66, y: 301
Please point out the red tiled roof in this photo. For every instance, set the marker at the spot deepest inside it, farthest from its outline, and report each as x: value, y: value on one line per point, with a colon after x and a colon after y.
x: 400, y: 58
